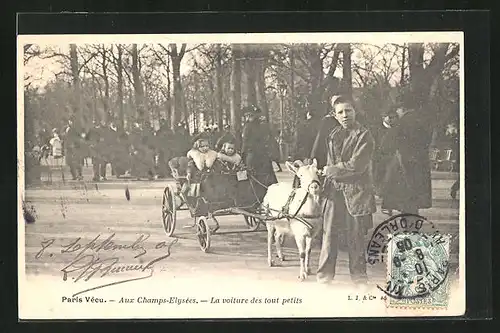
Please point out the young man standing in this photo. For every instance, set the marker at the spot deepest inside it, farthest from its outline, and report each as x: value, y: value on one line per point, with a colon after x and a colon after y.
x: 348, y: 191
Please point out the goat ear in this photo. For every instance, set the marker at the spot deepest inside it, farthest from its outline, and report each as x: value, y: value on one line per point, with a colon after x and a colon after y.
x: 315, y: 163
x: 292, y: 168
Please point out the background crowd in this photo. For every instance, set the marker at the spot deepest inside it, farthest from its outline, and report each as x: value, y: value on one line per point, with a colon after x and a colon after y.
x: 134, y: 106
x: 141, y: 153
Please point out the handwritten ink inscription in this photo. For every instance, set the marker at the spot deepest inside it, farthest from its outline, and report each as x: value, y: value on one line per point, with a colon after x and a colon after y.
x: 90, y: 259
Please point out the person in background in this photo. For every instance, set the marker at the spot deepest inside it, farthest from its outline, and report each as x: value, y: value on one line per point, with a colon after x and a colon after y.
x: 388, y: 173
x: 454, y: 145
x: 207, y: 133
x: 163, y: 144
x: 32, y: 166
x: 113, y: 148
x: 319, y: 149
x: 44, y: 137
x: 56, y: 144
x: 95, y: 145
x: 105, y: 148
x: 348, y: 193
x: 306, y: 136
x: 142, y: 153
x: 74, y: 156
x: 121, y: 157
x: 255, y: 149
x: 216, y: 133
x: 149, y: 142
x: 181, y: 142
x: 413, y: 137
x: 273, y: 145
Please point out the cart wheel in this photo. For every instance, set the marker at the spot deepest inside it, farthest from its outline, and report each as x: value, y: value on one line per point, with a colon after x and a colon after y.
x: 203, y: 233
x: 168, y: 211
x: 252, y: 222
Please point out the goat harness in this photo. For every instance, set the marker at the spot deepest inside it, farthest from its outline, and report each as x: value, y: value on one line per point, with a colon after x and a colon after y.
x: 285, y: 211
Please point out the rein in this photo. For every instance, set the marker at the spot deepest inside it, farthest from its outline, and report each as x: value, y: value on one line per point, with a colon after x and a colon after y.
x: 258, y: 182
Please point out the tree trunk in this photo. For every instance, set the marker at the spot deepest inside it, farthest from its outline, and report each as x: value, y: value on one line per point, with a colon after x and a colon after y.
x: 179, y: 106
x: 423, y: 80
x: 120, y: 86
x: 95, y: 116
x: 296, y: 117
x: 211, y: 116
x: 138, y: 88
x: 219, y: 108
x: 346, y: 70
x: 107, y: 115
x: 29, y: 122
x: 236, y: 92
x: 416, y: 66
x: 403, y: 60
x: 261, y: 85
x: 168, y: 115
x: 250, y: 75
x: 75, y: 72
x: 316, y: 75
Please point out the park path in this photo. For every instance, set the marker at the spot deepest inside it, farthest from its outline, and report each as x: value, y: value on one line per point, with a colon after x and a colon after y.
x: 67, y: 212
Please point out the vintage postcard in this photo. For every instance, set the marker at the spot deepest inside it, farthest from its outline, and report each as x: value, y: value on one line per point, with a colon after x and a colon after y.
x: 297, y: 175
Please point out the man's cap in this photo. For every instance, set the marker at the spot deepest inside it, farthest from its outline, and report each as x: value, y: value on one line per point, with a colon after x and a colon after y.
x: 336, y: 99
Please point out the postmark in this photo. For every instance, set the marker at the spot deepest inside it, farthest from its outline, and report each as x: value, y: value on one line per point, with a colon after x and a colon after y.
x: 402, y: 223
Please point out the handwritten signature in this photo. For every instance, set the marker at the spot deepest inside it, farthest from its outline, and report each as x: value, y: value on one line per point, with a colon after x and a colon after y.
x: 87, y: 264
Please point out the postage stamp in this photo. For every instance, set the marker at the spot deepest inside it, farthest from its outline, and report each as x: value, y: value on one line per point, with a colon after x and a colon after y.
x: 417, y: 270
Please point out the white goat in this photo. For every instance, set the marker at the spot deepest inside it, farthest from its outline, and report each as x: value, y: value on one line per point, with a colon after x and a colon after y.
x: 297, y: 211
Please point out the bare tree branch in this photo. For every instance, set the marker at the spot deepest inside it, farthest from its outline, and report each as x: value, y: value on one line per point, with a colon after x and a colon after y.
x: 86, y: 62
x: 183, y: 50
x: 334, y: 62
x: 282, y: 65
x: 55, y: 55
x: 193, y: 48
x: 453, y: 53
x: 356, y: 70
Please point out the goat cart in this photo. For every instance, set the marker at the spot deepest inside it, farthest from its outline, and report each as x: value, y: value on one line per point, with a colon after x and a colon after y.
x: 213, y: 195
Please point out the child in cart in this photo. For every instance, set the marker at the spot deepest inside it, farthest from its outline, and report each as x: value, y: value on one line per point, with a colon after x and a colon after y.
x: 232, y: 165
x: 201, y: 158
x: 229, y: 158
x: 188, y: 169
